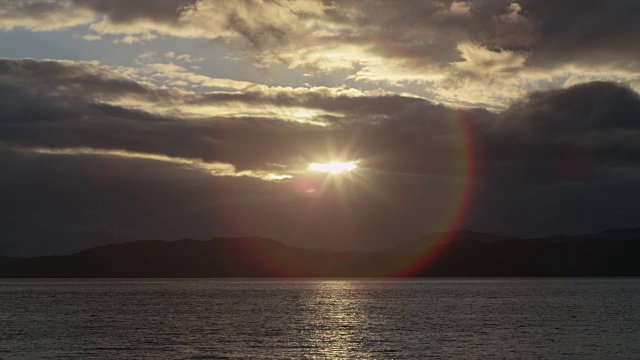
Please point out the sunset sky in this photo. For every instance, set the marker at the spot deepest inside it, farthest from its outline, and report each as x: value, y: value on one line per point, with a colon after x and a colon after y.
x: 129, y: 120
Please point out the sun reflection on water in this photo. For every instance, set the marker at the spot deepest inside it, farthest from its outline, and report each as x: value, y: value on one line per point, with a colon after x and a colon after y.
x: 336, y: 320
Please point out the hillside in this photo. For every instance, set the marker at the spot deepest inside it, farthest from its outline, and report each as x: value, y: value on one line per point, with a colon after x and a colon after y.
x: 466, y: 254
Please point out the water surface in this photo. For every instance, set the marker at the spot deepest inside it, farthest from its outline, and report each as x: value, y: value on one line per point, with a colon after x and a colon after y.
x: 370, y: 318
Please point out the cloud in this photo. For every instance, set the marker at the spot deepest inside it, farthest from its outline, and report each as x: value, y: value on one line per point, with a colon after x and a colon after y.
x: 176, y: 164
x: 594, y: 117
x: 133, y: 39
x: 563, y: 161
x: 466, y: 54
x: 170, y: 72
x: 70, y: 123
x: 39, y: 91
x: 37, y: 15
x: 261, y: 24
x: 588, y: 34
x: 92, y: 153
x: 91, y: 37
x: 512, y: 30
x: 593, y: 120
x: 215, y: 168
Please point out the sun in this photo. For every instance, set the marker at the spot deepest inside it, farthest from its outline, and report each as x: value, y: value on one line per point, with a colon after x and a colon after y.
x: 333, y: 167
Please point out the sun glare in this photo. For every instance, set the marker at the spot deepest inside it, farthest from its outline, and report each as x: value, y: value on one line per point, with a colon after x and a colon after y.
x: 333, y: 167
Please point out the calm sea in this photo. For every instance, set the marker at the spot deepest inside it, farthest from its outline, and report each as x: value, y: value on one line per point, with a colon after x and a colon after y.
x: 318, y: 319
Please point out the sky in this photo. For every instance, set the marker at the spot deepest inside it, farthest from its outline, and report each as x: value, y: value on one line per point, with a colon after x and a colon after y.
x: 169, y: 119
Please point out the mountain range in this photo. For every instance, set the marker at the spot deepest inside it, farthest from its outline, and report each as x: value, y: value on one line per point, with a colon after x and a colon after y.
x: 462, y: 254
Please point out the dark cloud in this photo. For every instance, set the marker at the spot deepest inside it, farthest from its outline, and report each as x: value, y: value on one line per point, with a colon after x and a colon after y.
x: 557, y: 161
x: 598, y: 121
x: 563, y: 161
x: 69, y: 109
x: 553, y: 33
x: 61, y: 203
x: 90, y: 156
x: 123, y: 11
x: 592, y: 32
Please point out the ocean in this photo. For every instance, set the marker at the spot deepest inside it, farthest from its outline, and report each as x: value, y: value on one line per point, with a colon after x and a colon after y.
x: 452, y: 318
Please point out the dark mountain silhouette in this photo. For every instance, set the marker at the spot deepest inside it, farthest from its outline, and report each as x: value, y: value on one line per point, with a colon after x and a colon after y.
x: 466, y: 253
x: 620, y: 234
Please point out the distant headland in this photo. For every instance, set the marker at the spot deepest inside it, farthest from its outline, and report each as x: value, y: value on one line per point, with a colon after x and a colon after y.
x: 462, y: 254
